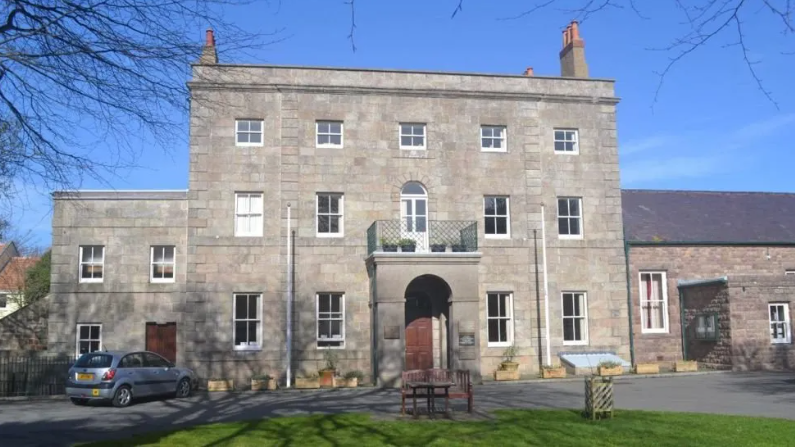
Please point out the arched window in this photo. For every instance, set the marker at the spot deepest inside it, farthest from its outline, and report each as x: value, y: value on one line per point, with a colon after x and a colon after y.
x: 414, y: 214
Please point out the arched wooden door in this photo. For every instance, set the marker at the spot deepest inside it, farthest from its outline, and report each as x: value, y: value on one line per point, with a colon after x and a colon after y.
x: 419, y: 333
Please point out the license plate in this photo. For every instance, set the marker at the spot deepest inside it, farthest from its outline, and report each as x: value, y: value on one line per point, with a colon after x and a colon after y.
x: 85, y: 376
x: 95, y: 392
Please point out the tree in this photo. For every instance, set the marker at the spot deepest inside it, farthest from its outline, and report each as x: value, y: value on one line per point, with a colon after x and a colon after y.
x: 37, y: 280
x: 84, y: 82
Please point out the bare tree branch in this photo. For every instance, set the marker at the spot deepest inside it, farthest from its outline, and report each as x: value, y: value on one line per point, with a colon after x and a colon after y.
x: 352, y: 4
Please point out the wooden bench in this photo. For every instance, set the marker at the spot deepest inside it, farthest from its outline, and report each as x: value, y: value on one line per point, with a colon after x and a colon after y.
x: 461, y: 390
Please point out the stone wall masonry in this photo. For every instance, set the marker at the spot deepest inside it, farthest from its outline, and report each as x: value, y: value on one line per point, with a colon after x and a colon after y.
x: 25, y: 329
x: 708, y: 299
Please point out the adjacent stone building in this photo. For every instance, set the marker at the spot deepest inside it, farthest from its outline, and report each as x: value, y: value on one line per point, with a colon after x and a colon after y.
x: 721, y: 262
x: 398, y: 219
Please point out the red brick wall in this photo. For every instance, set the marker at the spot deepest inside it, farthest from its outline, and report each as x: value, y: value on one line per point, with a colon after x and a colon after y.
x: 708, y: 299
x: 692, y: 262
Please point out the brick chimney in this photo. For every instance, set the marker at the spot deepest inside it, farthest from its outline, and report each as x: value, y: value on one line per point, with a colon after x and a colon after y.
x: 209, y: 55
x: 528, y: 71
x: 572, y: 56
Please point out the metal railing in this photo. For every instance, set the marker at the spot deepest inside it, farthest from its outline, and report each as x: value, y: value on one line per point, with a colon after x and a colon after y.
x: 36, y: 375
x: 438, y: 236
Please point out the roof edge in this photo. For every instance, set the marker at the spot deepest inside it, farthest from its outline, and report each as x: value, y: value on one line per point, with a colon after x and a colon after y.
x: 705, y: 191
x: 181, y: 194
x: 707, y: 243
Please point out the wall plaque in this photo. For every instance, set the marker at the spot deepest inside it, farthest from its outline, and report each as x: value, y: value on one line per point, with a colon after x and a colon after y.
x: 391, y: 332
x: 466, y: 339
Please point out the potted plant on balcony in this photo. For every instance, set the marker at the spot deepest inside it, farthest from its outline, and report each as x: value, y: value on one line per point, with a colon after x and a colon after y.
x: 388, y: 245
x: 407, y: 245
x: 438, y: 247
x: 261, y: 382
x: 508, y: 369
x: 457, y: 246
x: 610, y: 368
x: 330, y: 370
x: 352, y: 379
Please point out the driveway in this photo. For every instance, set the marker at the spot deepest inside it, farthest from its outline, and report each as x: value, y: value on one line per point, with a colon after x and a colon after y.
x: 58, y: 422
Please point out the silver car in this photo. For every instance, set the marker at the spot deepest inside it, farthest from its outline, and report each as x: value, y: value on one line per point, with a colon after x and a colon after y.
x: 121, y: 376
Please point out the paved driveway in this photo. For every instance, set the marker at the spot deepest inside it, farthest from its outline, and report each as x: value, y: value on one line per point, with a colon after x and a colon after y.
x: 58, y: 422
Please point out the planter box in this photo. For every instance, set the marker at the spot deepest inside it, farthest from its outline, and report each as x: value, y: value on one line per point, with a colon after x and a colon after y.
x: 259, y: 385
x: 647, y: 368
x: 686, y: 366
x: 408, y: 248
x: 220, y: 385
x: 556, y: 373
x: 509, y: 366
x: 614, y: 371
x: 502, y: 375
x: 438, y: 248
x: 350, y: 383
x: 389, y: 248
x: 303, y: 383
x: 327, y: 379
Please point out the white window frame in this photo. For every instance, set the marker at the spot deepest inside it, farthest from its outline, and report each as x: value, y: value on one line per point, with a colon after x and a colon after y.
x: 569, y: 216
x: 247, y: 132
x: 257, y: 232
x: 503, y: 138
x: 341, y: 214
x: 701, y: 326
x: 789, y: 272
x: 786, y: 322
x: 424, y: 136
x: 664, y: 301
x: 583, y: 317
x: 576, y: 141
x: 341, y: 340
x: 78, y: 339
x: 152, y: 264
x: 81, y: 263
x: 249, y: 347
x: 494, y: 216
x: 509, y: 317
x: 329, y: 133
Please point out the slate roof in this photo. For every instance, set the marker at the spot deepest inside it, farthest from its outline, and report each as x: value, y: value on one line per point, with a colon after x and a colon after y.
x: 12, y: 278
x: 708, y: 216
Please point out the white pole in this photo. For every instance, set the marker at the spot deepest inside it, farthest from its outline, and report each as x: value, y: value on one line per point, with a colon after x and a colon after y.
x: 546, y: 283
x: 289, y: 298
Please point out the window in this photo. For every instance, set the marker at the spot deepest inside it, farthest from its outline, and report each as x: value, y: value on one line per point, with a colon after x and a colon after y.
x: 134, y: 360
x: 3, y: 301
x: 500, y: 319
x: 330, y: 222
x: 94, y: 361
x: 567, y: 141
x: 653, y: 302
x: 248, y: 132
x: 780, y: 331
x: 789, y: 272
x: 248, y: 214
x: 248, y: 330
x: 496, y: 213
x: 575, y: 318
x: 412, y: 136
x: 329, y: 133
x: 92, y: 261
x: 162, y: 259
x: 152, y: 360
x: 89, y: 338
x: 492, y: 138
x: 707, y: 327
x: 330, y: 320
x: 570, y: 217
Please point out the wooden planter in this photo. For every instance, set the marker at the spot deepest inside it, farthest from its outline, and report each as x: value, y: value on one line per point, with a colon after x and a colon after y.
x: 220, y: 385
x: 261, y: 384
x: 509, y: 366
x: 598, y: 397
x: 502, y: 375
x: 686, y: 366
x: 554, y: 373
x: 350, y: 383
x: 306, y: 383
x: 327, y: 379
x: 647, y: 368
x: 614, y: 371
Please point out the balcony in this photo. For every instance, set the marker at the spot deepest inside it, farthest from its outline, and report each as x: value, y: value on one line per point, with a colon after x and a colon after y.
x: 418, y: 235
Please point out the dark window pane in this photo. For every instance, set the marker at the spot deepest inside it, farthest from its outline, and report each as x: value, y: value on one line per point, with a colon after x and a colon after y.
x: 240, y: 306
x: 574, y: 226
x: 324, y: 328
x: 574, y: 207
x: 563, y: 225
x: 255, y: 138
x: 503, y: 300
x: 563, y: 207
x: 334, y: 204
x: 323, y: 304
x: 336, y: 329
x: 95, y: 332
x: 255, y: 126
x: 489, y: 206
x: 497, y: 143
x: 167, y: 271
x: 405, y: 141
x: 559, y: 135
x: 240, y: 332
x: 323, y: 139
x: 421, y: 224
x: 336, y: 303
x: 409, y: 223
x: 493, y: 305
x: 491, y: 227
x: 335, y: 127
x: 568, y: 308
x: 323, y: 127
x: 97, y: 272
x: 502, y: 206
x: 413, y: 188
x: 242, y: 138
x: 503, y: 330
x: 578, y: 329
x: 334, y: 224
x: 84, y: 332
x: 322, y: 224
x: 502, y: 225
x: 577, y: 298
x: 336, y: 139
x: 560, y: 146
x: 252, y: 331
x: 323, y: 204
x: 569, y: 146
x: 252, y: 306
x: 494, y: 331
x: 94, y: 360
x: 485, y: 142
x: 419, y: 207
x: 568, y: 329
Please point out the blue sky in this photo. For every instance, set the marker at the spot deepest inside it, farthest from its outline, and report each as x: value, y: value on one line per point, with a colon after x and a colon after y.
x: 709, y: 128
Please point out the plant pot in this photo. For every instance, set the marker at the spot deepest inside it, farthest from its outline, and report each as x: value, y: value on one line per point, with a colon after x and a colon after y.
x: 686, y: 366
x: 438, y: 248
x: 509, y: 366
x: 350, y: 383
x: 614, y: 371
x: 327, y: 378
x: 408, y: 248
x: 263, y: 384
x: 458, y: 248
x: 389, y: 248
x: 554, y: 373
x: 502, y: 375
x: 647, y: 368
x: 305, y: 383
x: 220, y: 385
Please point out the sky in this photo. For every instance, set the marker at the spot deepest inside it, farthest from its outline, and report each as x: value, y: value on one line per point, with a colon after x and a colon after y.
x: 709, y: 127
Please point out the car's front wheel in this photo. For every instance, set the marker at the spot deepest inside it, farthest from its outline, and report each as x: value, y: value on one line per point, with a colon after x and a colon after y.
x: 183, y: 388
x: 78, y: 401
x: 123, y: 397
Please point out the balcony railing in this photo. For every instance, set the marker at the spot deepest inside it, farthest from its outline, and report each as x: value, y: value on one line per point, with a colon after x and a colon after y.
x: 421, y: 236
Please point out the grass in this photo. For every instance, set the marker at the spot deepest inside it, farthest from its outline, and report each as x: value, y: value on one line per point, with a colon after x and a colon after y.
x: 510, y: 427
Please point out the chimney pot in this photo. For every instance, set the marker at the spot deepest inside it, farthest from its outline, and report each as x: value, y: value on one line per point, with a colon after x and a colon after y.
x: 572, y: 56
x: 210, y: 42
x: 528, y: 71
x: 575, y: 30
x: 565, y: 38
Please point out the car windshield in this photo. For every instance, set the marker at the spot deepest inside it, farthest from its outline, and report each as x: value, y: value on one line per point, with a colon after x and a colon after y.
x: 94, y: 360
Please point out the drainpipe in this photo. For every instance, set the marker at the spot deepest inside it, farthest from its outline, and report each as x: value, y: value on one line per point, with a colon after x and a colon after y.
x: 629, y: 304
x: 682, y: 320
x: 289, y: 300
x: 538, y: 302
x: 546, y: 283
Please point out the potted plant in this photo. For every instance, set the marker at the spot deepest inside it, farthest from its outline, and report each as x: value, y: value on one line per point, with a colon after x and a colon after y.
x: 330, y: 370
x: 219, y: 384
x: 438, y: 247
x: 457, y: 246
x: 261, y: 382
x: 388, y: 245
x: 686, y: 366
x: 553, y: 372
x: 610, y: 368
x: 309, y: 381
x: 508, y: 369
x: 407, y: 245
x: 352, y: 379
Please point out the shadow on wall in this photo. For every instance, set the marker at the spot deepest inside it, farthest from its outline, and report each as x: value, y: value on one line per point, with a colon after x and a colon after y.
x: 26, y: 328
x: 756, y: 355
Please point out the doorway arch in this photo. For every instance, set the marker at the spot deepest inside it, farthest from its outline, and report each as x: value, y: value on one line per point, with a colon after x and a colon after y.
x: 427, y: 312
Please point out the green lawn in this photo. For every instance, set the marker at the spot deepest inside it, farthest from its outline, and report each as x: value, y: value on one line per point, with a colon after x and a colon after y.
x: 515, y: 427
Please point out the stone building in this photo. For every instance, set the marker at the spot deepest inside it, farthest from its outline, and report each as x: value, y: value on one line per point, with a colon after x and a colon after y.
x: 398, y: 219
x: 721, y: 262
